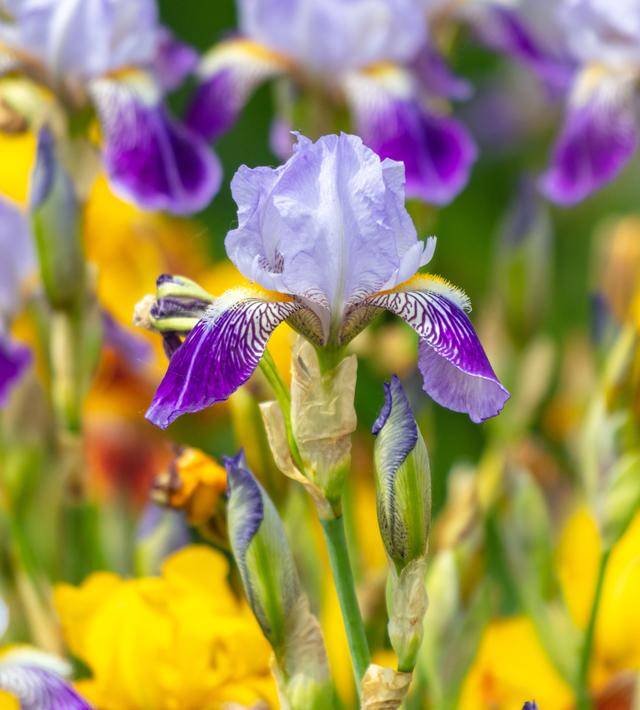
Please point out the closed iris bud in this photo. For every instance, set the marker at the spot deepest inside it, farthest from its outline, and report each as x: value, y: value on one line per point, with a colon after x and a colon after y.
x: 57, y: 226
x: 160, y: 533
x: 274, y: 592
x: 403, y: 479
x: 403, y: 496
x: 178, y: 305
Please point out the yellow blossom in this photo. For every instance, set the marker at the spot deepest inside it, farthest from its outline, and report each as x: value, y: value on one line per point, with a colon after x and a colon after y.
x: 181, y: 641
x: 194, y: 485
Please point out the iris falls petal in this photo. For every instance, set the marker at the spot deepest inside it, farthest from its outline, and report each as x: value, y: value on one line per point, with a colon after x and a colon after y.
x: 598, y: 138
x: 14, y: 359
x: 39, y: 688
x: 218, y: 356
x: 150, y: 158
x: 455, y: 369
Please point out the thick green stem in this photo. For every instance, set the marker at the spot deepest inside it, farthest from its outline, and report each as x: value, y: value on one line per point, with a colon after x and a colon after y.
x: 345, y: 586
x: 583, y: 695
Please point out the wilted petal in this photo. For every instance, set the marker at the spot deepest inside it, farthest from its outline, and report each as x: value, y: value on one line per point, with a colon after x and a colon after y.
x: 37, y: 686
x: 437, y: 151
x: 228, y: 74
x: 597, y: 140
x: 14, y: 359
x: 219, y: 354
x: 150, y: 158
x: 329, y: 226
x: 454, y: 366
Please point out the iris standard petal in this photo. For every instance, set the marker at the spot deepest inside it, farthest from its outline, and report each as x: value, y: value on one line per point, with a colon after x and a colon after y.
x: 599, y: 136
x: 436, y: 76
x: 14, y: 360
x: 455, y: 369
x: 84, y: 38
x: 333, y: 36
x: 150, y: 158
x: 329, y: 226
x: 437, y: 151
x: 219, y: 354
x: 39, y: 689
x: 228, y: 74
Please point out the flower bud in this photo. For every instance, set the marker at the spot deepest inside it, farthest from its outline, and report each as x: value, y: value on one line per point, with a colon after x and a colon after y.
x: 273, y: 588
x: 160, y: 533
x: 178, y: 305
x: 403, y: 479
x: 56, y: 223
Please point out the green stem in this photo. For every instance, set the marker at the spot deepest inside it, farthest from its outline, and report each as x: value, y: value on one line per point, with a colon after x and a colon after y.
x: 583, y: 696
x: 345, y: 586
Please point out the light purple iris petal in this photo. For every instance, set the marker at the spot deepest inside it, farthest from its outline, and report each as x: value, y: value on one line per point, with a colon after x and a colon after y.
x: 437, y: 151
x: 150, y: 158
x: 436, y: 76
x: 18, y: 259
x: 329, y: 36
x: 398, y: 426
x: 596, y: 142
x: 14, y: 359
x: 454, y: 366
x: 39, y: 689
x: 84, y: 38
x: 330, y: 225
x: 218, y: 356
x: 174, y: 60
x: 135, y: 350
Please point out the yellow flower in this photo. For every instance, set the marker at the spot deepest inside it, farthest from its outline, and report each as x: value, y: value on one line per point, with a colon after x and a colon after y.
x: 18, y: 155
x: 194, y: 485
x: 181, y: 641
x: 510, y: 668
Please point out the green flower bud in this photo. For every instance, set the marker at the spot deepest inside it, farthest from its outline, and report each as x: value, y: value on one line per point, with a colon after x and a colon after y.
x: 403, y: 479
x: 57, y: 227
x: 272, y: 586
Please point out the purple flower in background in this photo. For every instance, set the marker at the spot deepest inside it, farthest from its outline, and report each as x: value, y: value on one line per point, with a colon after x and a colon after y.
x: 589, y: 51
x: 329, y: 240
x: 115, y: 55
x: 16, y: 265
x: 373, y: 55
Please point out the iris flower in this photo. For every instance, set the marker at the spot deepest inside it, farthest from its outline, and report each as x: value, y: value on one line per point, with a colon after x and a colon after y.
x: 113, y: 57
x: 375, y: 56
x: 328, y: 239
x: 16, y: 264
x: 589, y: 51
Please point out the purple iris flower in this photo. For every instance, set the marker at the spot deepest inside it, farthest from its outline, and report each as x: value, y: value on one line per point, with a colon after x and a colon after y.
x: 375, y: 56
x: 115, y: 55
x: 328, y: 239
x: 589, y: 50
x: 16, y: 265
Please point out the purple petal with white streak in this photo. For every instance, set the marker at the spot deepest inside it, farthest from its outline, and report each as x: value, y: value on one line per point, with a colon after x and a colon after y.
x: 455, y: 369
x: 38, y: 688
x: 150, y: 158
x: 218, y: 356
x: 14, y: 360
x: 597, y: 140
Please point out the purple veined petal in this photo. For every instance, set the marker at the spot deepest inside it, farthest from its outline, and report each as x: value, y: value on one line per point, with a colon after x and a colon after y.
x: 437, y: 151
x: 506, y: 30
x: 228, y: 75
x: 135, y: 350
x: 598, y: 139
x: 14, y: 360
x: 436, y: 76
x: 455, y: 369
x: 38, y: 688
x: 151, y: 159
x: 174, y: 60
x: 218, y: 356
